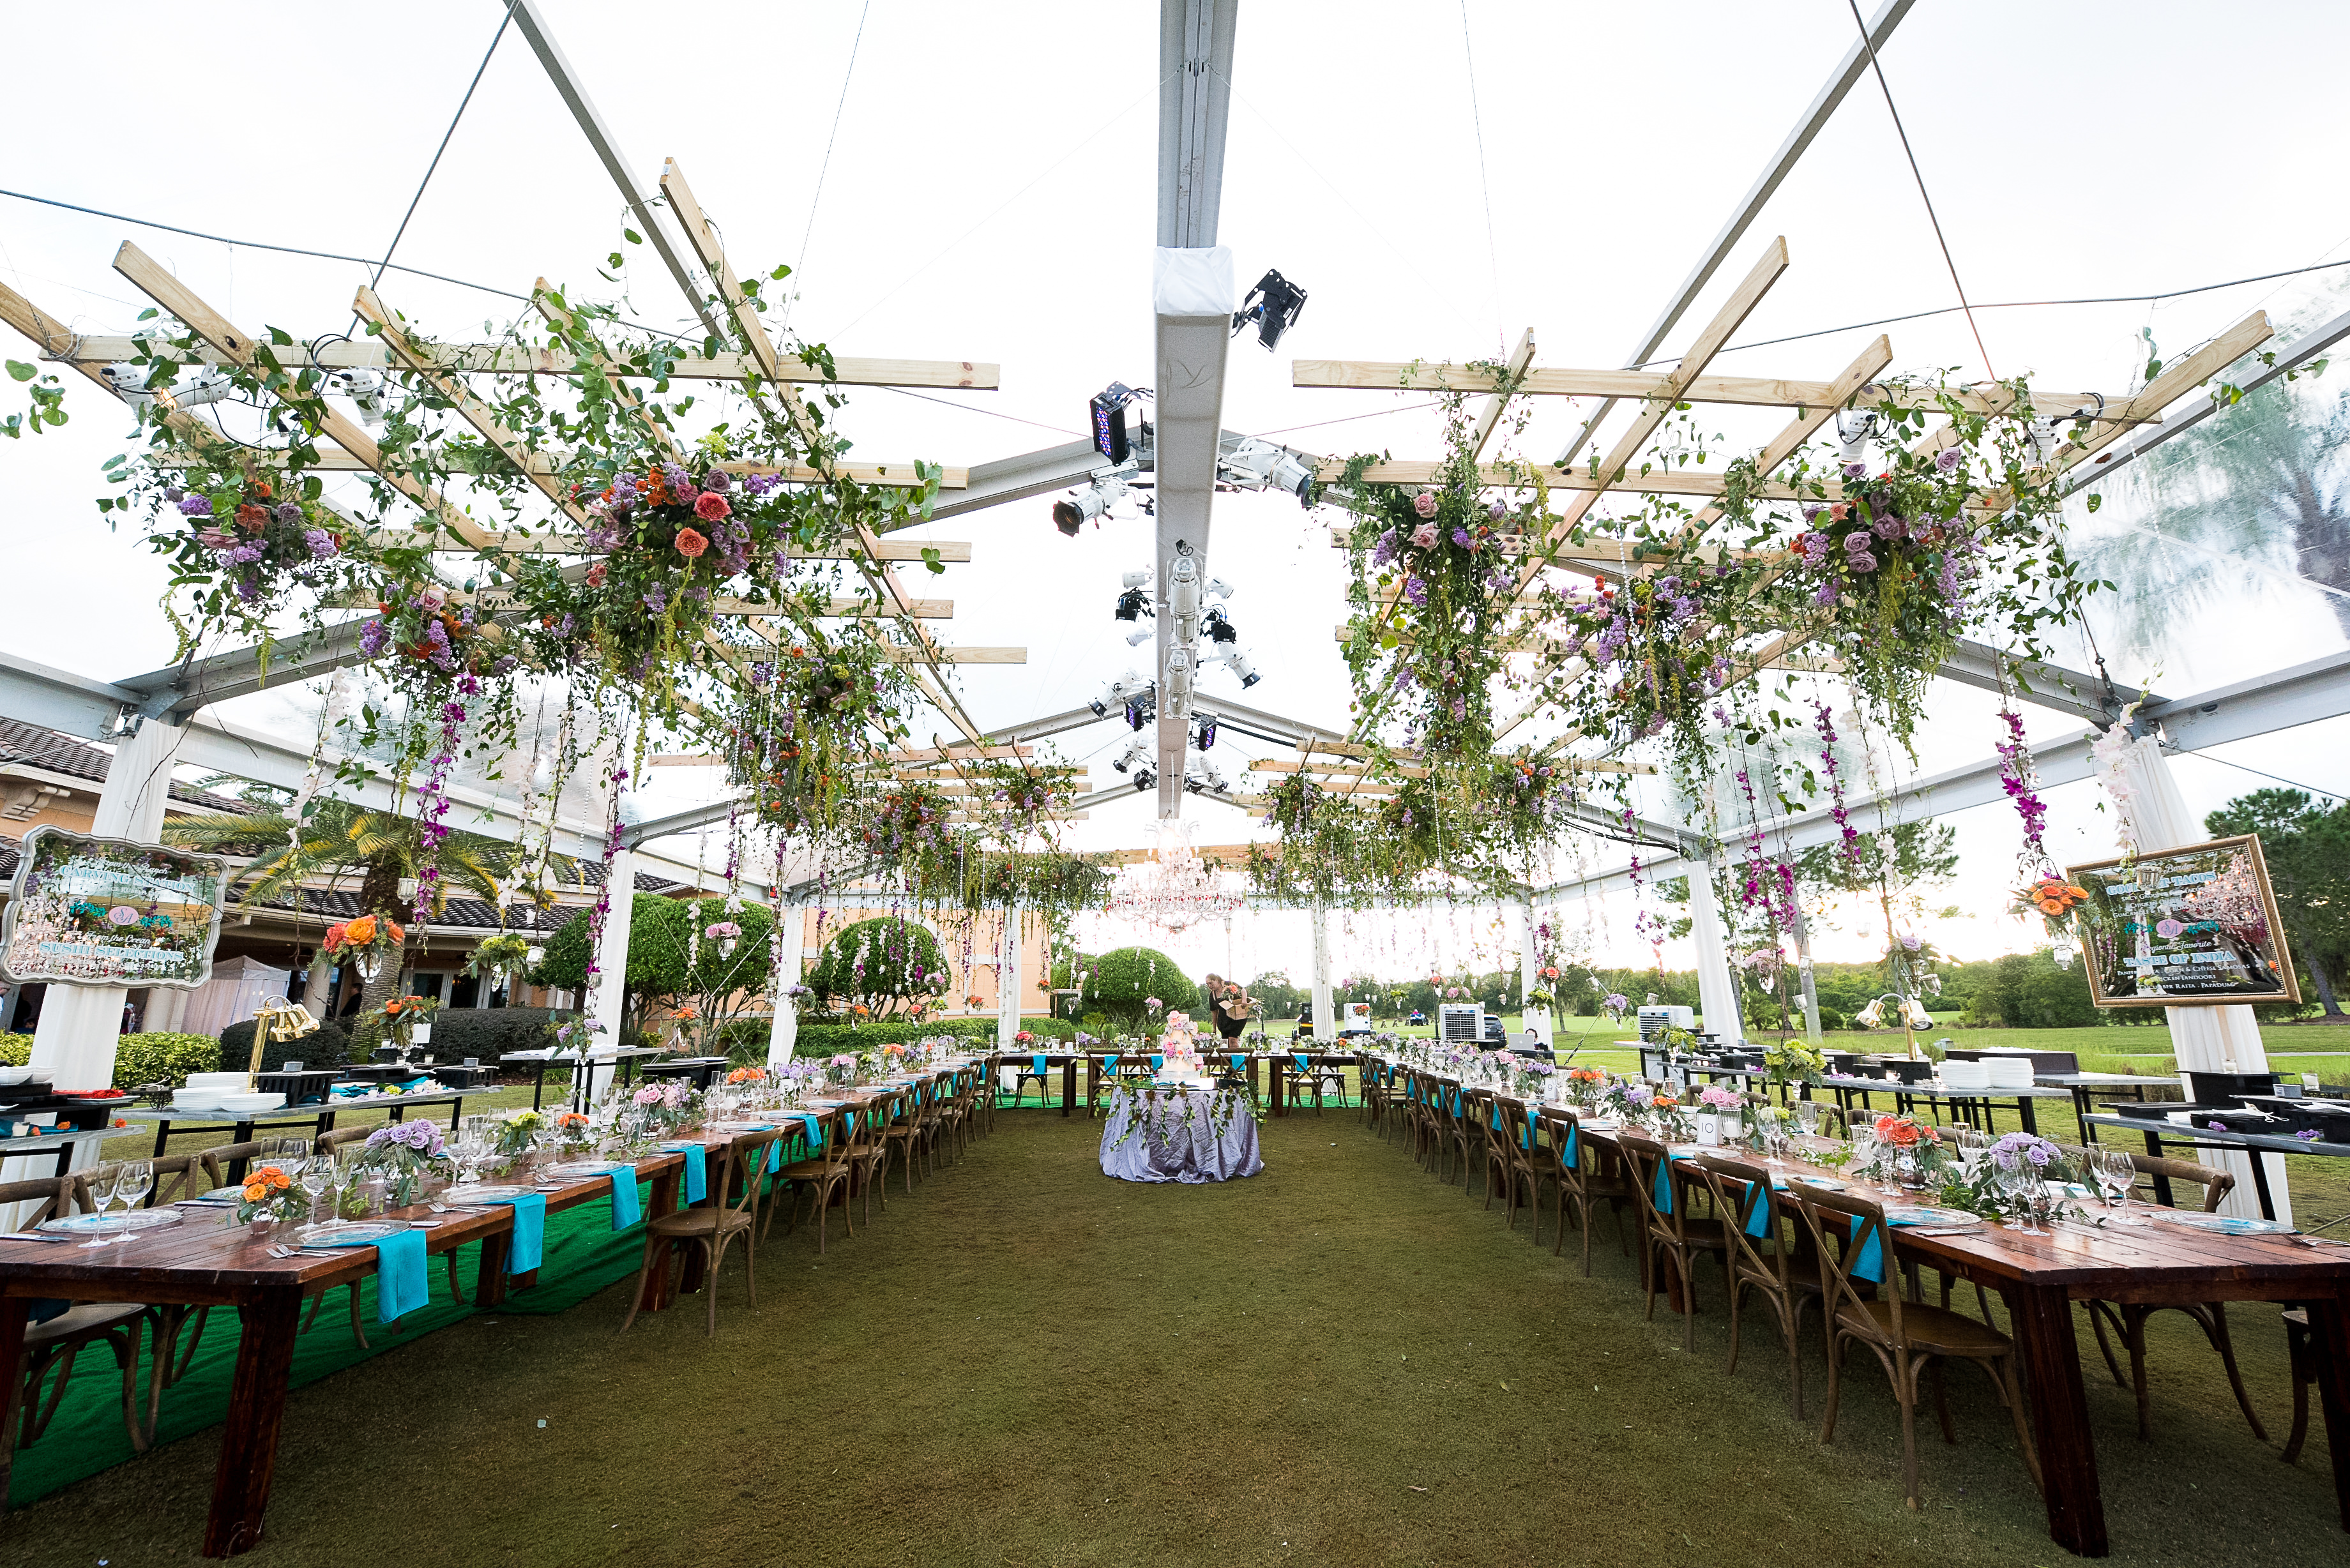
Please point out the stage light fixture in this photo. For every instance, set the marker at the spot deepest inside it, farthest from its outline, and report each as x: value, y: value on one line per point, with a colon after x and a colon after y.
x: 1256, y: 465
x: 1078, y: 507
x: 1122, y: 690
x: 1136, y: 638
x: 1219, y: 589
x: 1106, y: 414
x: 1145, y: 778
x: 1219, y: 626
x: 1205, y: 739
x: 1274, y: 306
x: 1134, y: 605
x: 365, y: 387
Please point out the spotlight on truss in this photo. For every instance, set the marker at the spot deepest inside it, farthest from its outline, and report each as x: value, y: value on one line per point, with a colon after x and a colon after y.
x: 1274, y: 306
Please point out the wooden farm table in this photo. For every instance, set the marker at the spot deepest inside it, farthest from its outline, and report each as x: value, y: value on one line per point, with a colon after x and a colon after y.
x: 202, y: 1263
x: 2155, y: 1262
x: 1277, y: 1063
x: 1066, y: 1060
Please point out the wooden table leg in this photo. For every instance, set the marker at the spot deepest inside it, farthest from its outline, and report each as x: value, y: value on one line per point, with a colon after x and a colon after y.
x: 2060, y: 1417
x: 256, y: 1405
x: 1069, y: 1088
x: 2329, y: 1343
x: 16, y: 1316
x: 490, y: 1283
x: 1273, y: 1085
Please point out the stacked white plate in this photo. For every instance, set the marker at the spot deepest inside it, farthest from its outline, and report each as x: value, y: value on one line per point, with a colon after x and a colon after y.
x: 1957, y: 1074
x: 2009, y: 1071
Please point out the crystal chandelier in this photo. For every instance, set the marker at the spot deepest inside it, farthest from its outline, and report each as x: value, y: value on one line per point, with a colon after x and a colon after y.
x: 1177, y: 889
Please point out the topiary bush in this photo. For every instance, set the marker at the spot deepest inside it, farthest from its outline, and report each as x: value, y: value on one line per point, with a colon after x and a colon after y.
x: 1119, y: 981
x: 880, y: 963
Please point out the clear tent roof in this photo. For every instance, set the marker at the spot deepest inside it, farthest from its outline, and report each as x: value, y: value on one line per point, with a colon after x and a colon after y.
x: 976, y: 191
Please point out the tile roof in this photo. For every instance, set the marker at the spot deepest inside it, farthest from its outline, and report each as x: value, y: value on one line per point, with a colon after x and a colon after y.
x: 37, y: 747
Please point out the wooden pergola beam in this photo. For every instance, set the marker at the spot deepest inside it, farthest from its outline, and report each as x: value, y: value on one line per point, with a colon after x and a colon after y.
x: 505, y: 359
x: 174, y: 296
x: 1490, y: 416
x: 1662, y: 482
x: 567, y: 544
x: 1757, y: 391
x: 848, y: 609
x: 334, y: 459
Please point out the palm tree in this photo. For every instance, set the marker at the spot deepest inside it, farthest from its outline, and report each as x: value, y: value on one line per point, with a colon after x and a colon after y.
x: 338, y: 839
x: 2255, y: 490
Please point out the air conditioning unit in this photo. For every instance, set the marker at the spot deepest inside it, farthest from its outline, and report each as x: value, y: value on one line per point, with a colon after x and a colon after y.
x: 1462, y: 1022
x: 1655, y: 1021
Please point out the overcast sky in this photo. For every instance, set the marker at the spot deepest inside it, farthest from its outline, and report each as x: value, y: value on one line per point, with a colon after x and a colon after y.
x: 981, y: 186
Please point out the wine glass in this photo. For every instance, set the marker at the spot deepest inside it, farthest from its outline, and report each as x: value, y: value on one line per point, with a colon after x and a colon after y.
x: 293, y: 1156
x: 1864, y: 1151
x: 2115, y: 1173
x: 135, y: 1180
x: 317, y: 1179
x: 2022, y: 1181
x: 101, y: 1183
x: 1807, y: 1116
x: 1974, y: 1146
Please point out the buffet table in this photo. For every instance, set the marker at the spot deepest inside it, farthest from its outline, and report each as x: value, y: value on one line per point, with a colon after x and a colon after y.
x: 1183, y: 1133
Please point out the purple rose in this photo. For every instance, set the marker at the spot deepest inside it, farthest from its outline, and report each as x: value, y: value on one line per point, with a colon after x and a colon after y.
x: 1855, y: 542
x: 1889, y: 527
x: 1861, y: 561
x: 1854, y: 470
x: 1947, y: 459
x: 716, y: 481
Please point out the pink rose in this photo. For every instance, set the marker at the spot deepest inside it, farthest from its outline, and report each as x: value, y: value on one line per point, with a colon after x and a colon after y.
x: 1424, y: 503
x: 690, y: 544
x: 1425, y: 534
x: 596, y: 575
x: 709, y: 508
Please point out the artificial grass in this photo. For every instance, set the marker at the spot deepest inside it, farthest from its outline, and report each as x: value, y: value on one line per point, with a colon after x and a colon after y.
x: 1343, y: 1360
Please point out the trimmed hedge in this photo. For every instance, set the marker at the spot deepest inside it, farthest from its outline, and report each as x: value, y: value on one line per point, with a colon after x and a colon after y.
x: 327, y: 1046
x: 490, y: 1032
x: 158, y: 1058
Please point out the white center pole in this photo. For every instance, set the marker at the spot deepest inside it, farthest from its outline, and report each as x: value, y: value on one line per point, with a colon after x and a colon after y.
x: 1326, y: 1023
x: 1007, y: 982
x: 1717, y: 990
x: 612, y: 981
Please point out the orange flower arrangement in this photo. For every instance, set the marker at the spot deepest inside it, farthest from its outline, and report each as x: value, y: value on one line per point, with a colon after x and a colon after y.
x: 2054, y: 897
x: 893, y: 1050
x: 1899, y: 1131
x: 570, y: 1121
x: 746, y: 1074
x: 265, y: 1181
x: 1584, y: 1075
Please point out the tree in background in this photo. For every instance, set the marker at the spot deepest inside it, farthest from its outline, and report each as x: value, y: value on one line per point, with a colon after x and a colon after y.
x: 1121, y: 982
x: 1275, y: 996
x: 2307, y: 850
x: 337, y: 840
x: 718, y: 987
x: 881, y: 965
x: 2031, y: 991
x: 2260, y: 489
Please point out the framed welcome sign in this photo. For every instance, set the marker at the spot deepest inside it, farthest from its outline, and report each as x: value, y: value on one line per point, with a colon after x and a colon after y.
x: 2184, y: 927
x: 105, y: 911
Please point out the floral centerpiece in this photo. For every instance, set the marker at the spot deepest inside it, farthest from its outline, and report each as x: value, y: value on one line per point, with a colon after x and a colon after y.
x: 270, y: 1197
x: 1788, y: 1062
x: 519, y: 1132
x: 396, y: 1024
x: 1533, y: 1077
x: 661, y: 1108
x: 404, y: 1154
x: 504, y: 954
x: 841, y: 1070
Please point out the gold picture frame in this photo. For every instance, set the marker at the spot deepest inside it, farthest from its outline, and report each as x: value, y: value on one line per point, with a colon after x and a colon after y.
x: 2199, y: 923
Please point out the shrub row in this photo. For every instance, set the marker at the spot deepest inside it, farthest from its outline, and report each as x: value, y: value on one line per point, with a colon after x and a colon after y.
x: 139, y: 1059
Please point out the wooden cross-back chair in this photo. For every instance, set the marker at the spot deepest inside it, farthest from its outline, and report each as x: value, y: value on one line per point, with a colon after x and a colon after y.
x: 1909, y: 1339
x: 1761, y: 1257
x: 1669, y: 1232
x: 710, y: 1228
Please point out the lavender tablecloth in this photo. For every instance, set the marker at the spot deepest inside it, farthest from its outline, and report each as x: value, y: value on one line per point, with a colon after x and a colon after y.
x: 1178, y: 1140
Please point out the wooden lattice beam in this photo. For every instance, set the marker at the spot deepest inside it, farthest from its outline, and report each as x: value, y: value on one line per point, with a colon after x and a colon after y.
x: 167, y: 291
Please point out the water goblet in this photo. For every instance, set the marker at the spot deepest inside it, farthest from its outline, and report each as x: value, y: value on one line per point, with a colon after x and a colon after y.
x: 2115, y: 1173
x: 318, y: 1180
x: 1807, y: 1116
x: 2020, y: 1181
x: 101, y: 1183
x: 135, y: 1182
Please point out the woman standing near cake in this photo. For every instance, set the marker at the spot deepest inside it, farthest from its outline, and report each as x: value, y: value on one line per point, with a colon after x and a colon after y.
x: 1230, y: 1007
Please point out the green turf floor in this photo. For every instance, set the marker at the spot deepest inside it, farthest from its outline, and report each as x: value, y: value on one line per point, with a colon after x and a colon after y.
x: 1341, y: 1361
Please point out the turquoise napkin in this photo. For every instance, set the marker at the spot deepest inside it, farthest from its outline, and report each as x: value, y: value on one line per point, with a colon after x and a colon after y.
x: 1157, y: 1061
x: 813, y: 1131
x: 528, y: 1245
x: 1240, y: 1061
x: 1110, y: 1063
x: 697, y: 1172
x: 1871, y: 1266
x: 626, y: 1208
x: 1761, y: 1222
x: 1571, y: 1156
x: 1299, y: 1058
x: 400, y: 1282
x: 1036, y: 1062
x: 1664, y: 1189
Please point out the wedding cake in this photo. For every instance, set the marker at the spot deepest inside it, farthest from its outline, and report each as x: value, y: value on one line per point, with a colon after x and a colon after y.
x: 1179, y: 1045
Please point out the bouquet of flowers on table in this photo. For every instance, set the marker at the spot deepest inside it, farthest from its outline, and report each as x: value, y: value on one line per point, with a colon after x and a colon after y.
x: 1795, y: 1061
x: 269, y: 1194
x: 1533, y: 1077
x: 404, y: 1154
x: 518, y: 1132
x: 658, y: 1109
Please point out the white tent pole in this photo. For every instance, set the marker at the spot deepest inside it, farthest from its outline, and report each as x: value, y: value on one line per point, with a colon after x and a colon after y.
x: 1007, y: 982
x: 612, y: 961
x: 1716, y: 992
x: 1326, y: 1025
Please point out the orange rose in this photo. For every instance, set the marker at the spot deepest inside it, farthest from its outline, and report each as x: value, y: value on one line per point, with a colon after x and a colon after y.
x: 362, y: 931
x: 690, y: 543
x: 254, y: 1191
